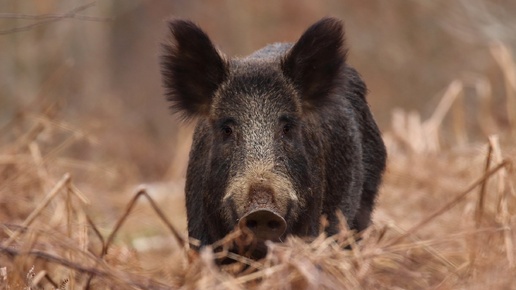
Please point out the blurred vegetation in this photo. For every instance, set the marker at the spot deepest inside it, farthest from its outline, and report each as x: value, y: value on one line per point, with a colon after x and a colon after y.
x: 100, y: 65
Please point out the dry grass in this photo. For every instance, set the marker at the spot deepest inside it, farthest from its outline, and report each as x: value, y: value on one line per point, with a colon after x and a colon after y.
x: 457, y: 235
x: 446, y: 217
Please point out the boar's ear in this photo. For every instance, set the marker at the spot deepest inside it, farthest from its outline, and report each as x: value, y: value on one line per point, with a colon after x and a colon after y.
x: 191, y: 69
x: 315, y: 61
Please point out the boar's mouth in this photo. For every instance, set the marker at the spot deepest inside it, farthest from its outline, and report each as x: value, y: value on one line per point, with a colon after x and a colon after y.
x: 260, y: 223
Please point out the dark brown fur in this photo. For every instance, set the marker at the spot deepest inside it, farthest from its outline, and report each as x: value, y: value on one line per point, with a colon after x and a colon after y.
x: 287, y: 128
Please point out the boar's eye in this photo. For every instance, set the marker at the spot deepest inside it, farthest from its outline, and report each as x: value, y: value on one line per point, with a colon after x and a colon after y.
x: 288, y: 125
x: 287, y: 128
x: 225, y: 127
x: 226, y: 131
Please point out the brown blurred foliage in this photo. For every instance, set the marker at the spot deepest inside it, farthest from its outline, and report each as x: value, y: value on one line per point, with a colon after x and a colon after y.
x: 103, y: 71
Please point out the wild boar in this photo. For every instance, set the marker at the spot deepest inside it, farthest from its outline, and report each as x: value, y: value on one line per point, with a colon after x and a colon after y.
x: 283, y: 136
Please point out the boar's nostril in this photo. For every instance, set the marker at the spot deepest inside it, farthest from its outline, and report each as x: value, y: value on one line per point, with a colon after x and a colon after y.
x: 274, y: 225
x: 251, y: 224
x: 265, y: 224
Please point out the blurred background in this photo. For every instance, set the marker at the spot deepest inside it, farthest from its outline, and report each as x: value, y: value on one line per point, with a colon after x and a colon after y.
x: 95, y: 65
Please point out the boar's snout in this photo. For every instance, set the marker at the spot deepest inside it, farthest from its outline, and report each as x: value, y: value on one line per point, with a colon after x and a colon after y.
x: 264, y: 224
x: 262, y: 216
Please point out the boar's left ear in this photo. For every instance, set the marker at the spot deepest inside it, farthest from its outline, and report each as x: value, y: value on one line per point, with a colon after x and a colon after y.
x: 191, y: 69
x: 314, y: 62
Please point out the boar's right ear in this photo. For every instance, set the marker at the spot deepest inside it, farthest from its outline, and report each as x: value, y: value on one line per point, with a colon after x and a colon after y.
x: 191, y: 69
x: 314, y: 62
